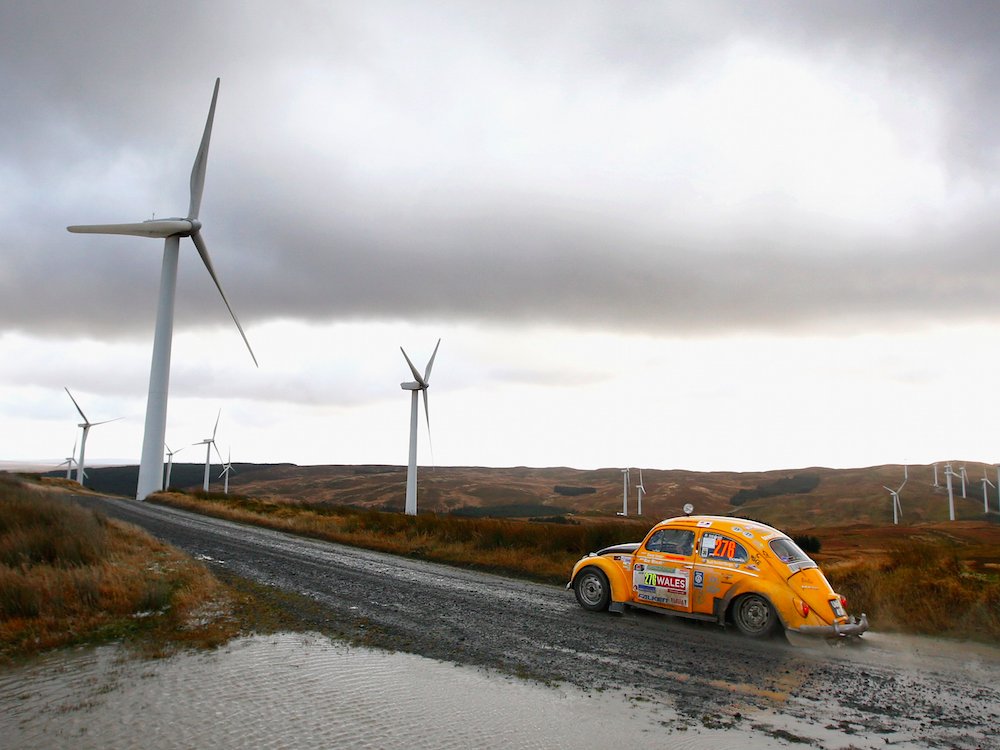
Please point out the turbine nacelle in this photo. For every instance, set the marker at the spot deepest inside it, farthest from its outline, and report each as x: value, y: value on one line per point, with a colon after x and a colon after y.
x: 413, y: 386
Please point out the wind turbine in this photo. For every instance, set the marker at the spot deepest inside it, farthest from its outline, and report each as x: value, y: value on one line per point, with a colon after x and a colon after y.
x: 209, y: 443
x: 948, y: 474
x: 70, y: 461
x: 85, y: 425
x: 226, y: 468
x: 625, y: 482
x: 986, y: 492
x: 170, y: 464
x: 964, y: 477
x: 640, y: 490
x: 935, y: 476
x: 897, y: 509
x: 998, y: 484
x: 419, y: 384
x: 170, y: 230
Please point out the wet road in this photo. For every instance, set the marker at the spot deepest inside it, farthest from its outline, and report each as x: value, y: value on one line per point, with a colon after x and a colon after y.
x: 888, y: 692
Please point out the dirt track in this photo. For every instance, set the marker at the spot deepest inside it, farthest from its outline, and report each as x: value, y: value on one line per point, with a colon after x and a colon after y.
x: 888, y: 692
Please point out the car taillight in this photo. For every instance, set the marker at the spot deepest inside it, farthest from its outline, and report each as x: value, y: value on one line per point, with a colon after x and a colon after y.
x: 843, y: 601
x: 804, y: 607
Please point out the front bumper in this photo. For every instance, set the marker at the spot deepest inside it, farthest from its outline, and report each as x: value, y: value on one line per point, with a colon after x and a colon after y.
x: 853, y: 627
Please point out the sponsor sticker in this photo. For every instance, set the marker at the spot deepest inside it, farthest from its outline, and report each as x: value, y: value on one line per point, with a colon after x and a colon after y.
x: 699, y: 579
x: 704, y: 524
x: 662, y: 585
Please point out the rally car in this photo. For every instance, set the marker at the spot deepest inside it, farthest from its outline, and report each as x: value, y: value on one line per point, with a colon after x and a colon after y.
x: 718, y: 568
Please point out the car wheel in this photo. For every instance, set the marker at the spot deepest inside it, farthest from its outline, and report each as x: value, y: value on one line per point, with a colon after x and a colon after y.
x: 754, y: 616
x: 592, y: 589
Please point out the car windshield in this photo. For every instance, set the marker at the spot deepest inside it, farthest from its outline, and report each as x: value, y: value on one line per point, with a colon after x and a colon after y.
x: 789, y: 553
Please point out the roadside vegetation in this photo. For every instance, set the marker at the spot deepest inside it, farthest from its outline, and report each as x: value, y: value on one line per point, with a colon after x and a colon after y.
x: 926, y: 588
x: 528, y: 549
x: 69, y: 575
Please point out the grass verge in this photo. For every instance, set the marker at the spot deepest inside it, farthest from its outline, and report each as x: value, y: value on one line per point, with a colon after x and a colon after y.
x: 70, y: 575
x: 528, y: 549
x: 924, y: 588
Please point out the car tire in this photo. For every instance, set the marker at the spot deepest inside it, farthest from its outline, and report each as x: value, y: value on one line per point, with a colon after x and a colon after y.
x: 593, y: 592
x: 754, y: 616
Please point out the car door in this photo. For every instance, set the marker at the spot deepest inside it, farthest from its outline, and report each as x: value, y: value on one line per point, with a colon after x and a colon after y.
x: 718, y: 563
x: 661, y: 570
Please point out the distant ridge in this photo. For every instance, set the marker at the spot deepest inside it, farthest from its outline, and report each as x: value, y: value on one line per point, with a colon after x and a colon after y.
x: 788, y: 498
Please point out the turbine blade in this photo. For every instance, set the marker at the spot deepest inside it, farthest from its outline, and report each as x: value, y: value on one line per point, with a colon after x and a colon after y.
x: 199, y: 243
x: 106, y: 421
x: 430, y: 363
x: 217, y: 452
x: 427, y: 417
x: 77, y: 408
x: 416, y: 374
x: 201, y: 160
x: 157, y: 228
x: 216, y: 428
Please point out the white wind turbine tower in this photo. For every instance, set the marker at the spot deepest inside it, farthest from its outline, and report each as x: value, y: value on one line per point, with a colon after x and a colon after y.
x: 897, y: 509
x: 935, y: 476
x: 85, y: 426
x: 419, y: 384
x: 625, y: 483
x: 998, y: 485
x: 640, y: 490
x: 170, y: 464
x: 170, y: 230
x: 209, y: 443
x: 986, y: 492
x: 226, y: 468
x: 964, y: 477
x: 948, y: 474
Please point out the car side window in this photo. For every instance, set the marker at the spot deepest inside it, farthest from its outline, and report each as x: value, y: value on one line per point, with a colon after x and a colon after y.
x: 715, y: 546
x: 672, y: 542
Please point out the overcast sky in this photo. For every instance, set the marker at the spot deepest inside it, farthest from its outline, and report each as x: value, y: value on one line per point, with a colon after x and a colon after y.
x: 705, y: 235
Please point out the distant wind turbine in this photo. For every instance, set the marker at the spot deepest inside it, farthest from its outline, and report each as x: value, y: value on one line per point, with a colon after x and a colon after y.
x: 420, y: 384
x: 209, y: 443
x: 986, y: 492
x: 70, y: 461
x: 625, y: 483
x: 170, y: 230
x: 935, y: 476
x: 964, y: 478
x: 640, y: 490
x: 85, y: 426
x: 998, y: 485
x: 897, y: 509
x: 170, y: 464
x: 948, y: 474
x: 226, y: 468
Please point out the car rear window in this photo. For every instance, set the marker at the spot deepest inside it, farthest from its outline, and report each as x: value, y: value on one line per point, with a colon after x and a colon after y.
x: 788, y: 552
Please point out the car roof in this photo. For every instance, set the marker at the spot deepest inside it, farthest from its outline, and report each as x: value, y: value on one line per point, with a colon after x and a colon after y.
x: 739, y: 526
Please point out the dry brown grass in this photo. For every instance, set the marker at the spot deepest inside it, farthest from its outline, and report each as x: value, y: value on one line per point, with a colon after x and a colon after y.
x: 540, y: 551
x: 923, y: 587
x: 69, y: 575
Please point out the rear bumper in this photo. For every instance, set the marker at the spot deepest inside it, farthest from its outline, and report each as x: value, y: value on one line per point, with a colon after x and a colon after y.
x: 853, y: 627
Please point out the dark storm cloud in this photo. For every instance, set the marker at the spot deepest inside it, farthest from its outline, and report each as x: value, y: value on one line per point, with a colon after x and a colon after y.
x: 103, y: 105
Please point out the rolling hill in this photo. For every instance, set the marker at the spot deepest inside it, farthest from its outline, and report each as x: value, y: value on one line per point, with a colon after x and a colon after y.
x: 799, y: 498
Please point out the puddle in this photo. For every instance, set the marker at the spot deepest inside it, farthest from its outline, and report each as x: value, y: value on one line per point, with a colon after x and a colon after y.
x: 305, y: 691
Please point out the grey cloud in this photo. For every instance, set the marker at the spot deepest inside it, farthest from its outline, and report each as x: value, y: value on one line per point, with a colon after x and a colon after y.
x: 297, y: 232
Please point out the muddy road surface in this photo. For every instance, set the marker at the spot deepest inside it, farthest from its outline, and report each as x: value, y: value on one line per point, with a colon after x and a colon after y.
x: 886, y: 692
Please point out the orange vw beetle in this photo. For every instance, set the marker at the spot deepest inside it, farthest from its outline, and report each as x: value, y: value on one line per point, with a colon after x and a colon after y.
x: 716, y: 568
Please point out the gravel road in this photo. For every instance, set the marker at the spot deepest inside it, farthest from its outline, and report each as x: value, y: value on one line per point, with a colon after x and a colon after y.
x: 888, y: 691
